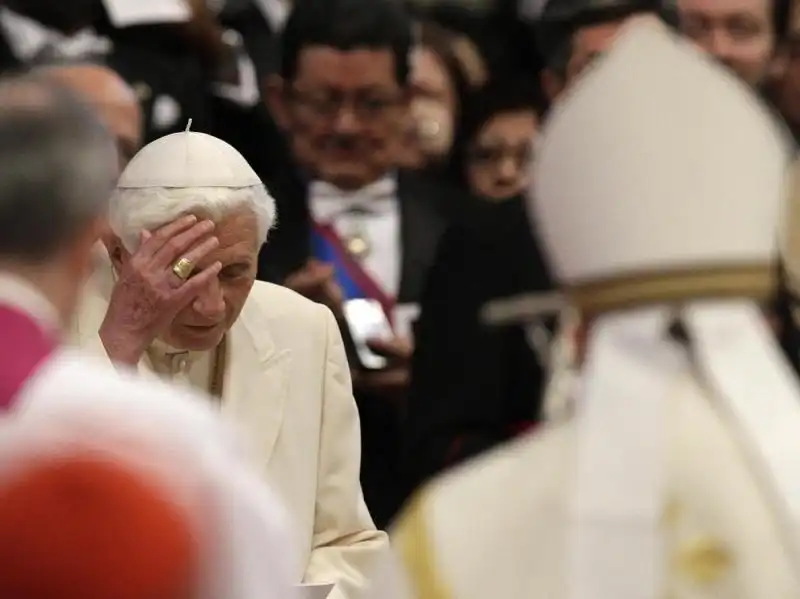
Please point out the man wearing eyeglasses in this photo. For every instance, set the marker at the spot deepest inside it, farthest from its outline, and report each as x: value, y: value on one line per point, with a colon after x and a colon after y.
x: 355, y: 228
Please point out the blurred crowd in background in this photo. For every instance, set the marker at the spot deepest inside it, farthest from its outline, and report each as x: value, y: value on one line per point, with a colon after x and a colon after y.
x: 415, y: 151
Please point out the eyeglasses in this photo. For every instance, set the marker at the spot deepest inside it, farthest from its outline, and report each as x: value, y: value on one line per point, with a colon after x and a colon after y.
x: 327, y: 105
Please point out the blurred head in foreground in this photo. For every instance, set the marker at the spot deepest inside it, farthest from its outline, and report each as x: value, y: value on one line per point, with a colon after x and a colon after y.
x: 85, y: 526
x: 58, y: 165
x: 132, y: 499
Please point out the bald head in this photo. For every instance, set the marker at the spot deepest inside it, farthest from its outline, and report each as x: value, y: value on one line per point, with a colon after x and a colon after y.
x: 113, y: 99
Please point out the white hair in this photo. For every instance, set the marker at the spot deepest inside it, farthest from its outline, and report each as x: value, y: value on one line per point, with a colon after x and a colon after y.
x: 132, y: 211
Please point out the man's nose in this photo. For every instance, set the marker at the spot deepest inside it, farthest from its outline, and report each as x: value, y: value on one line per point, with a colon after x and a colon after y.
x: 346, y: 120
x: 720, y: 44
x: 508, y: 169
x: 210, y: 303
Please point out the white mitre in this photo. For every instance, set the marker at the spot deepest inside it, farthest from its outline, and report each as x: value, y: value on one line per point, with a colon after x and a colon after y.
x: 659, y: 162
x: 188, y: 159
x: 659, y: 187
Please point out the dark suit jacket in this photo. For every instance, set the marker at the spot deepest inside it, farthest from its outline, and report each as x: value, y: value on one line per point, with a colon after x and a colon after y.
x: 158, y: 61
x: 473, y: 386
x: 158, y: 58
x: 155, y: 62
x: 424, y: 214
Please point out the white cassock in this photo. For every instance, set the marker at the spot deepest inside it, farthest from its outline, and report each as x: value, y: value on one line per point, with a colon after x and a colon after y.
x: 281, y: 374
x: 73, y: 398
x: 659, y: 191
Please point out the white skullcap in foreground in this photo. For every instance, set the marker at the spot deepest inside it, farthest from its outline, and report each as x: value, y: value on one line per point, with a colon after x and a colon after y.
x: 102, y: 499
x: 659, y: 188
x: 185, y: 173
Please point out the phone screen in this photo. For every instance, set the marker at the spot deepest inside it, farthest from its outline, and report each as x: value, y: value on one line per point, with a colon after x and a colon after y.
x: 366, y: 320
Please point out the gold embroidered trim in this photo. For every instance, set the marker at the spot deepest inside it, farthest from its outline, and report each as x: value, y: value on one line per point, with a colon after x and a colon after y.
x: 411, y: 539
x: 756, y: 281
x: 703, y: 560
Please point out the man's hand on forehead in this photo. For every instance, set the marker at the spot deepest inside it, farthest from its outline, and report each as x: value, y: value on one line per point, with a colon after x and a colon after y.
x: 155, y: 283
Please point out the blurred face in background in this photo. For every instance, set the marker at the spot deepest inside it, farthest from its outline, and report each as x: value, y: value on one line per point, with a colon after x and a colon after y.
x: 433, y: 106
x: 114, y: 101
x: 738, y: 33
x: 499, y: 158
x: 587, y: 44
x: 345, y: 112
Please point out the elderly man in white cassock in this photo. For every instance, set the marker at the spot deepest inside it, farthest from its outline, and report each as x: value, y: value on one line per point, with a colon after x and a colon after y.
x: 659, y: 190
x: 58, y: 165
x: 179, y: 300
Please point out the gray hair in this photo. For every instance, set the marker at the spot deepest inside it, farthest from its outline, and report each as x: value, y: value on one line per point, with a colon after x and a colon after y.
x: 132, y: 211
x: 58, y: 165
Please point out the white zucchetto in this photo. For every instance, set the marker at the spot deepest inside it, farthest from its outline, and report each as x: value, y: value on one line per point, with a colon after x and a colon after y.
x: 185, y: 160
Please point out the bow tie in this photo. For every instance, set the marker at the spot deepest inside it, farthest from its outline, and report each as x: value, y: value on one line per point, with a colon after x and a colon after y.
x: 328, y: 201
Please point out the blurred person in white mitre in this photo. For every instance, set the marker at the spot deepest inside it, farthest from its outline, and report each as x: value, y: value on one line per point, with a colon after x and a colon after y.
x: 58, y: 165
x: 101, y: 499
x: 111, y: 97
x: 676, y: 476
x: 178, y: 299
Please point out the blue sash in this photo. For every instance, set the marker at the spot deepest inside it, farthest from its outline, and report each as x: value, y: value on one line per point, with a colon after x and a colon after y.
x: 355, y: 282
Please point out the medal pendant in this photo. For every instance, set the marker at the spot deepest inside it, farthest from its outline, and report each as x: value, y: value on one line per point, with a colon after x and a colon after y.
x: 358, y: 246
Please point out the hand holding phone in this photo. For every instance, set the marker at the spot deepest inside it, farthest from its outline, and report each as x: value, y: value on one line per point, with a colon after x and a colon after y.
x: 366, y: 322
x: 397, y: 350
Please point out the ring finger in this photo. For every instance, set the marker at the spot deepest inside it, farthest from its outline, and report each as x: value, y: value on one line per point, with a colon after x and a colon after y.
x: 176, y: 247
x: 193, y: 257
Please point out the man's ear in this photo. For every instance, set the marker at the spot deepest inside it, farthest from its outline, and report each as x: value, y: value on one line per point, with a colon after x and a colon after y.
x: 274, y: 90
x: 115, y: 248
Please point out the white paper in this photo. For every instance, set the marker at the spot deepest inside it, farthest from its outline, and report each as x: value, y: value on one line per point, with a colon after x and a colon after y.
x: 126, y: 13
x: 314, y: 591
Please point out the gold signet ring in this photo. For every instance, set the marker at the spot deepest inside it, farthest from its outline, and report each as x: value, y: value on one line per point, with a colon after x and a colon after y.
x: 183, y: 268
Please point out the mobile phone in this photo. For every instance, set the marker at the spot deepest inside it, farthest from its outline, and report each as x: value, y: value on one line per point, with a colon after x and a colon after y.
x: 364, y: 319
